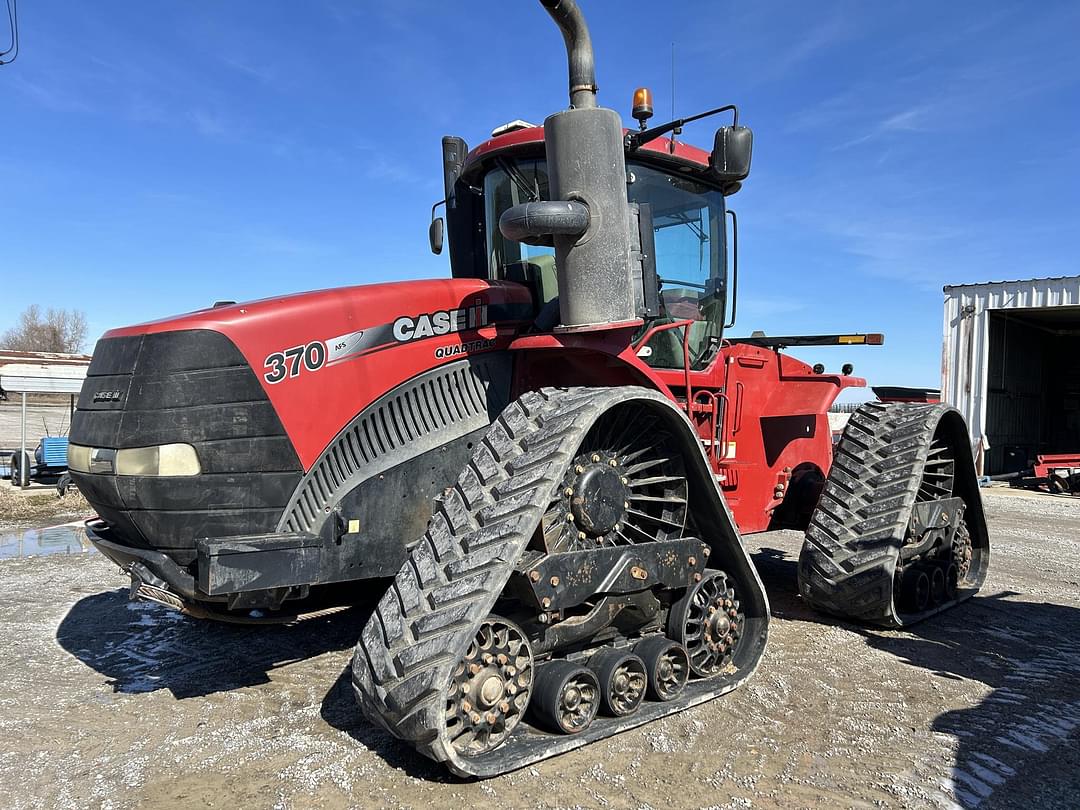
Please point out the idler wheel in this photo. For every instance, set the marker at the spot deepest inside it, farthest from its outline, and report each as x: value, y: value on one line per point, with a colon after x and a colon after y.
x: 566, y: 697
x: 623, y: 681
x: 962, y: 551
x: 489, y: 689
x: 708, y: 622
x: 666, y: 664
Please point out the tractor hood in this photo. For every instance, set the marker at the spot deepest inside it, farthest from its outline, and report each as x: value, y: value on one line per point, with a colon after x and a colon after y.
x: 322, y: 356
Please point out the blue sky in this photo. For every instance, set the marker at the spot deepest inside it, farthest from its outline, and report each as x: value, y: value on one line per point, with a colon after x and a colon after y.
x: 159, y: 156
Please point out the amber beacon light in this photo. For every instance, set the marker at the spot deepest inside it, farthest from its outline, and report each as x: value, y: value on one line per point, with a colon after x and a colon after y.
x: 642, y: 110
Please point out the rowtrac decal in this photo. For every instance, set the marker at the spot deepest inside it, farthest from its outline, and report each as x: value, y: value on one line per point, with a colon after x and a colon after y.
x: 295, y: 360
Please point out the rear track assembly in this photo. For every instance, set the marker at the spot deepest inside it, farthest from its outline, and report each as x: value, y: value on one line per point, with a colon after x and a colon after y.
x: 899, y: 533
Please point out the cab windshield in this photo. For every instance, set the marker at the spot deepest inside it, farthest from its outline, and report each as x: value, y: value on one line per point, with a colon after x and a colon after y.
x: 688, y: 224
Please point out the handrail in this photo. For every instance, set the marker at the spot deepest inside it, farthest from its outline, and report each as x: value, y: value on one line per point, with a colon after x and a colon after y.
x: 664, y: 327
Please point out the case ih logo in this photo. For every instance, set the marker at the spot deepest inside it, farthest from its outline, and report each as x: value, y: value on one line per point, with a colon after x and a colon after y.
x: 108, y: 396
x: 442, y: 322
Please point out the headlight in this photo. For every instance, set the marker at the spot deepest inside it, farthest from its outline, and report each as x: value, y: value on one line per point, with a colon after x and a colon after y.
x: 78, y: 458
x: 164, y: 460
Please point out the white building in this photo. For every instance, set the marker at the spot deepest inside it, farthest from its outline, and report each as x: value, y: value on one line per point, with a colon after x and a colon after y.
x: 1010, y: 362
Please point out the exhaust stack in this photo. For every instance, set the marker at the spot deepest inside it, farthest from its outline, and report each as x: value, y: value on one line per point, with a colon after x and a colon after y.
x: 579, y: 52
x: 586, y: 170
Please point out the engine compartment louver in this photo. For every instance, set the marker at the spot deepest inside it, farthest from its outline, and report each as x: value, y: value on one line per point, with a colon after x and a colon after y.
x: 419, y: 415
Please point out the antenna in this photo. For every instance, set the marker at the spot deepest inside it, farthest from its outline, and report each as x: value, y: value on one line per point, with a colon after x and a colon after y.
x: 676, y: 130
x: 673, y: 80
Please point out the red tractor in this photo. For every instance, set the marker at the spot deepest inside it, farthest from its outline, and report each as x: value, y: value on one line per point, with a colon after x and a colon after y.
x: 544, y: 461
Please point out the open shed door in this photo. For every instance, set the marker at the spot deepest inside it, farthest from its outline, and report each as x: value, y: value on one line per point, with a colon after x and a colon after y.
x: 1033, y: 386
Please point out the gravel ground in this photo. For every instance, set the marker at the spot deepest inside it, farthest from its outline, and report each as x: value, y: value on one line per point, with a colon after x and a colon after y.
x: 113, y: 705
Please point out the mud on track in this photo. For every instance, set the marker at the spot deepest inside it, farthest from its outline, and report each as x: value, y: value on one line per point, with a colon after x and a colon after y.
x: 108, y: 704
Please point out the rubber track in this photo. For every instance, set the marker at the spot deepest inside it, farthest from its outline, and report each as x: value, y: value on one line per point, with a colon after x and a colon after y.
x: 849, y: 556
x: 429, y: 615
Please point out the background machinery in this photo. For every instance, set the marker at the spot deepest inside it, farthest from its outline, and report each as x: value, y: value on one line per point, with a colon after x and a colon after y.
x: 543, y: 462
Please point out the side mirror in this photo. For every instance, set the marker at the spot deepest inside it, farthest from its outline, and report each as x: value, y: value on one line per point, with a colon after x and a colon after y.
x: 730, y: 158
x: 435, y: 235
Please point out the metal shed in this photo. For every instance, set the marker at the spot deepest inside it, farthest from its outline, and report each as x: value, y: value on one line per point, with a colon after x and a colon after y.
x: 1010, y: 362
x: 40, y: 373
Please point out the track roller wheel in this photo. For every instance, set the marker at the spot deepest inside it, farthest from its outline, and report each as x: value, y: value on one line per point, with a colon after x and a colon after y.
x: 952, y: 581
x: 937, y: 585
x: 567, y: 696
x: 916, y: 590
x: 667, y: 665
x: 708, y: 623
x: 489, y: 689
x: 622, y: 680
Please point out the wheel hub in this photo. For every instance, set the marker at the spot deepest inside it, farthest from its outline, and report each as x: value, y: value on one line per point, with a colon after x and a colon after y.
x: 627, y: 485
x: 716, y: 629
x: 492, y: 688
x: 599, y: 498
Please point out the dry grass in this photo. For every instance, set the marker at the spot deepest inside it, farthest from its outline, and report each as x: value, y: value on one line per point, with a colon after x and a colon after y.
x: 39, y: 510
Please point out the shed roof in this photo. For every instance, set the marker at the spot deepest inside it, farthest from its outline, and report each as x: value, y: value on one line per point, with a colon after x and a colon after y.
x: 948, y: 287
x: 42, y: 372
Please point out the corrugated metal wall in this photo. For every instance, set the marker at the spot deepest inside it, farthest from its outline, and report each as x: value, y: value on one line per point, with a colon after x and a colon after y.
x: 966, y: 348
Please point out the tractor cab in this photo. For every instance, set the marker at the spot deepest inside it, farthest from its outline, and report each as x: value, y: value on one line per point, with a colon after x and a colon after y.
x: 685, y: 202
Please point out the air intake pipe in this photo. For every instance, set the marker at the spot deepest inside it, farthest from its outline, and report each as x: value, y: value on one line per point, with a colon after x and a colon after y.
x: 587, y: 177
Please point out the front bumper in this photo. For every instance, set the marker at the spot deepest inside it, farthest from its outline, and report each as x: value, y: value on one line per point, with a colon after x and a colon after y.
x: 145, y: 566
x: 237, y: 573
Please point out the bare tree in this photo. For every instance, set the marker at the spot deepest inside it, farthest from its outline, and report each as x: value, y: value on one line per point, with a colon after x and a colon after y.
x: 58, y: 330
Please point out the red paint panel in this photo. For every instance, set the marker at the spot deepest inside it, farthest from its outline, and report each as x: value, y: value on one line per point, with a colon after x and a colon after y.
x: 773, y: 417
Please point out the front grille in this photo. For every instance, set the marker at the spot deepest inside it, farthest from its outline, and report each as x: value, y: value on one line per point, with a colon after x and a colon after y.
x: 192, y: 387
